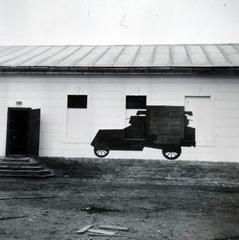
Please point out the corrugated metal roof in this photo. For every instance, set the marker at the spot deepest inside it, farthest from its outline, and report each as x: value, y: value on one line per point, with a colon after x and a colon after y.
x: 196, y: 55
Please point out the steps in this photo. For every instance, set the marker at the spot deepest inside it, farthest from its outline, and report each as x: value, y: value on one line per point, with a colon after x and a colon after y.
x: 23, y: 167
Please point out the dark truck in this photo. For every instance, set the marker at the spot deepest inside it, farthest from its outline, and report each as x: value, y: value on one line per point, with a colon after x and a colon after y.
x: 162, y: 127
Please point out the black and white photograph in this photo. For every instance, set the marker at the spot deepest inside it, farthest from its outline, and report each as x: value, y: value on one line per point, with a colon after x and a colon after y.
x: 119, y: 119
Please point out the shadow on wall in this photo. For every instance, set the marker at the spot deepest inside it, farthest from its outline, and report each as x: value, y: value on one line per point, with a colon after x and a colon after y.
x: 160, y: 127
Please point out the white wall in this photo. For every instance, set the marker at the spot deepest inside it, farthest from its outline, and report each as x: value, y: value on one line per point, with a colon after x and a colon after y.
x: 106, y: 106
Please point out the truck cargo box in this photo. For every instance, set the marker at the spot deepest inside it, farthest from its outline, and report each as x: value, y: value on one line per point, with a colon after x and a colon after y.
x: 165, y: 124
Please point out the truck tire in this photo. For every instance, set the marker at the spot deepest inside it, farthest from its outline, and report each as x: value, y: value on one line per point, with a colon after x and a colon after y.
x: 172, y: 153
x: 101, y: 152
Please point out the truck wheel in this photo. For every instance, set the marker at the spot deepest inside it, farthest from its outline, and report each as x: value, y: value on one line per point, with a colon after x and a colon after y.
x: 172, y: 154
x: 101, y: 152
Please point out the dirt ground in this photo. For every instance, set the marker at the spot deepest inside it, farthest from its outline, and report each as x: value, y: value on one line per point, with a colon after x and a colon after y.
x: 149, y: 211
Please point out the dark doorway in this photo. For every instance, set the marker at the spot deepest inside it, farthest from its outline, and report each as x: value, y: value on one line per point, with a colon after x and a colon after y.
x: 23, y: 128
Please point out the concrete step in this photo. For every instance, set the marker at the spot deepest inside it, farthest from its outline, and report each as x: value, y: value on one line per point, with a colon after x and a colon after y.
x: 15, y: 161
x: 27, y: 172
x: 26, y: 176
x: 23, y: 167
x: 2, y: 163
x: 12, y: 159
x: 20, y: 167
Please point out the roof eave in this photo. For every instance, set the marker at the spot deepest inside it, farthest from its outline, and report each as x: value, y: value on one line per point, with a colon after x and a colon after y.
x: 48, y: 70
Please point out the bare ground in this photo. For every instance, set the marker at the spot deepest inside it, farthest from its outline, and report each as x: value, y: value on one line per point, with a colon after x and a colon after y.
x: 166, y: 211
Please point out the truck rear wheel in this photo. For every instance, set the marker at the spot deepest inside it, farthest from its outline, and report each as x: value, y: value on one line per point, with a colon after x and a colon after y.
x: 172, y: 153
x: 101, y: 152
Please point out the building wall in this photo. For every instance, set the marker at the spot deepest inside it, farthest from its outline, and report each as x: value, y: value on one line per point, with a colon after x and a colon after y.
x: 106, y: 110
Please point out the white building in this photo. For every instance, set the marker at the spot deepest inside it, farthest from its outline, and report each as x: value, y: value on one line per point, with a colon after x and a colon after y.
x: 81, y: 89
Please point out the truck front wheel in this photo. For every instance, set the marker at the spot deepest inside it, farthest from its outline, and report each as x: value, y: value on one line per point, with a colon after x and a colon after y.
x: 101, y: 152
x: 172, y: 153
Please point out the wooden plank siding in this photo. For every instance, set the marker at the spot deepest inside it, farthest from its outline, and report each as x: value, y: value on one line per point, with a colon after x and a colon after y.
x: 106, y: 104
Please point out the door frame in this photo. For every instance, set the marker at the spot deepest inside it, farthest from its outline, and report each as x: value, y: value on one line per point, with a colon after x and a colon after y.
x: 212, y: 120
x: 8, y: 127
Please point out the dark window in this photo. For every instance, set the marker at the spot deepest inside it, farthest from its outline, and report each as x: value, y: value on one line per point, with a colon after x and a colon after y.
x: 135, y: 102
x: 77, y: 101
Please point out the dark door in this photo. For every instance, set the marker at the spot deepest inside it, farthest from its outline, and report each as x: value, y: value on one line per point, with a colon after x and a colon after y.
x: 23, y: 131
x: 17, y: 127
x: 33, y: 132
